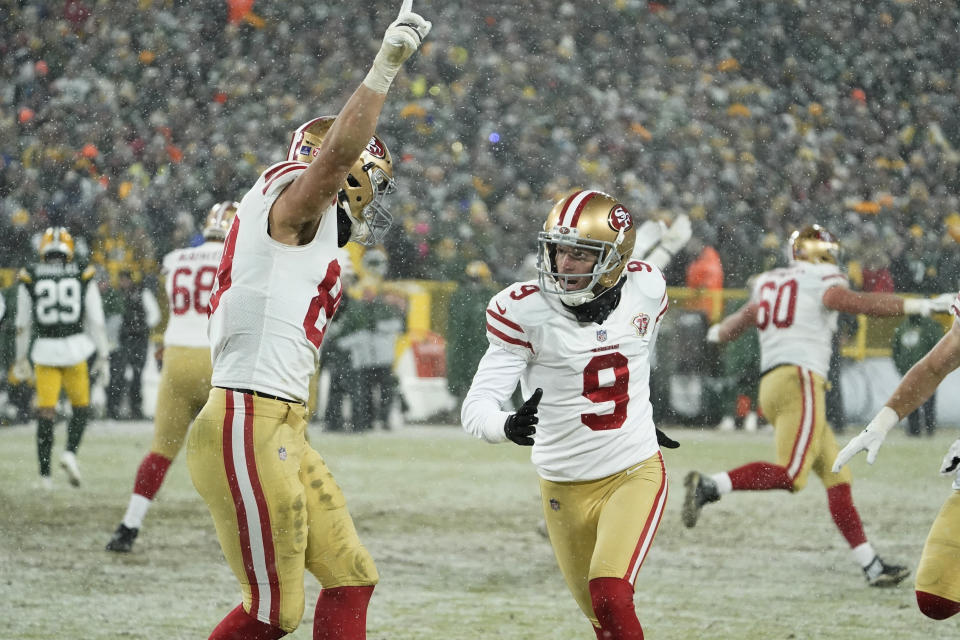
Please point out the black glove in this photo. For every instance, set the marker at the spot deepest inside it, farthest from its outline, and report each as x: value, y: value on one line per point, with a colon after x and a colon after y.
x: 520, y: 426
x: 666, y: 441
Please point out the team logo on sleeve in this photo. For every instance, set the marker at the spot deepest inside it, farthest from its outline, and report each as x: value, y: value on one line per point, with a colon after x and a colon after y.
x: 641, y: 322
x: 619, y: 218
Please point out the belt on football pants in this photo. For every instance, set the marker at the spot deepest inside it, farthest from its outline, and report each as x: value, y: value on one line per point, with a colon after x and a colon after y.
x: 260, y: 394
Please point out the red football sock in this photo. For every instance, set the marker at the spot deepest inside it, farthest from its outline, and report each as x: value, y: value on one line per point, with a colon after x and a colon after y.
x: 341, y: 613
x: 612, y: 600
x: 150, y: 475
x: 936, y: 607
x: 240, y: 625
x: 760, y: 476
x: 845, y: 515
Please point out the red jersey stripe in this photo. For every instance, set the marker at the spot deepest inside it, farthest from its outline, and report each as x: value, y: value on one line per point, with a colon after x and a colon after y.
x: 512, y: 325
x: 507, y: 338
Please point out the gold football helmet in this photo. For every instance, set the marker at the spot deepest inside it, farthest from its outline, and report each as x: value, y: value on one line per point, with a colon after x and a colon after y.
x: 56, y: 241
x: 593, y: 221
x: 219, y: 219
x: 813, y: 243
x: 370, y: 178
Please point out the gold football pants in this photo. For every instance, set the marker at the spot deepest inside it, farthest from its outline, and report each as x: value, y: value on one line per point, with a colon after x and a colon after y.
x: 792, y: 398
x: 604, y: 528
x: 184, y: 387
x: 74, y: 380
x: 939, y: 569
x: 275, y: 505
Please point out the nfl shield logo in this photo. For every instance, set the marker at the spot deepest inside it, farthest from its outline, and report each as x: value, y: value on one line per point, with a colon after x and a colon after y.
x: 601, y: 335
x: 554, y: 504
x: 282, y: 452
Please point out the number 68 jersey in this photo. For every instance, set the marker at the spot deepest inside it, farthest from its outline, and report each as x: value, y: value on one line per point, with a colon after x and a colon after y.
x: 595, y: 414
x: 189, y: 276
x: 795, y: 326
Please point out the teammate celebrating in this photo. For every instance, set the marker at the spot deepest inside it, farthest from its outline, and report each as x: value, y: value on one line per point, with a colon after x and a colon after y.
x: 795, y: 309
x: 276, y: 506
x: 581, y: 338
x: 185, y: 377
x: 60, y: 298
x: 938, y: 574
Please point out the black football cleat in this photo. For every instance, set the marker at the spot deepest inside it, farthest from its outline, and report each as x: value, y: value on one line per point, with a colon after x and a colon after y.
x: 122, y: 540
x: 701, y: 489
x: 880, y: 574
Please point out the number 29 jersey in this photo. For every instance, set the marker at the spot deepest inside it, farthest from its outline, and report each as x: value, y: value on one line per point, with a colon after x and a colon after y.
x: 795, y: 327
x: 595, y: 414
x: 189, y: 276
x: 272, y: 302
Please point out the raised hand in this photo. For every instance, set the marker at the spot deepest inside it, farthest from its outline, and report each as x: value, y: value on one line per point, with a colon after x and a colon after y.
x: 402, y: 38
x: 869, y: 439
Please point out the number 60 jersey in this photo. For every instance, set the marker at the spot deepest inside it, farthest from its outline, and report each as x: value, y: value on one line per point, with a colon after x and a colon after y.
x: 595, y: 415
x: 795, y: 326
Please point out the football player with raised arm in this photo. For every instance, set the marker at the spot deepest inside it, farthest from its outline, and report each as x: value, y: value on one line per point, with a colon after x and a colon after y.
x: 275, y: 504
x: 795, y: 309
x: 58, y: 299
x: 938, y: 574
x: 579, y: 340
x: 188, y: 276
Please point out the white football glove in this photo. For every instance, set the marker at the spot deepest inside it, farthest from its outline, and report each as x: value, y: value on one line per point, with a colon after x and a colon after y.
x: 952, y: 460
x: 22, y: 370
x: 677, y: 234
x: 713, y: 334
x: 869, y: 439
x: 402, y: 38
x: 101, y: 371
x: 926, y: 306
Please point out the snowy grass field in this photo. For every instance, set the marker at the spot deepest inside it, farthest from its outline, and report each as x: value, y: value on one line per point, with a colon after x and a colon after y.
x: 452, y: 524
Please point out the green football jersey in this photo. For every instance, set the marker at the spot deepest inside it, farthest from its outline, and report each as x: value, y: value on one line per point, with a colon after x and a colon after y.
x: 58, y: 294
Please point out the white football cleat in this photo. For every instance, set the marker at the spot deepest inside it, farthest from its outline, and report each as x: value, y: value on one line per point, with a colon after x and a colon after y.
x: 727, y: 424
x: 68, y: 462
x: 750, y: 422
x: 45, y: 483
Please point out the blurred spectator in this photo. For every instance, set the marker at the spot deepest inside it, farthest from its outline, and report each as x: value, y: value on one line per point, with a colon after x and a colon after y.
x: 913, y: 338
x: 466, y: 327
x: 139, y: 312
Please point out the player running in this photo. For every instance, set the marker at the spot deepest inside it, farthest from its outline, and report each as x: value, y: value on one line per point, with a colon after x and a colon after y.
x: 795, y: 309
x: 580, y: 338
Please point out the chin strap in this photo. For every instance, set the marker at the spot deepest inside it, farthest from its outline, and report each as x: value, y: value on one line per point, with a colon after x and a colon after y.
x: 600, y: 307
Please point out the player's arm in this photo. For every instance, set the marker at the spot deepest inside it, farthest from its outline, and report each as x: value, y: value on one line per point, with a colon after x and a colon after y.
x: 672, y: 240
x: 914, y: 389
x: 733, y: 326
x: 497, y: 375
x: 842, y: 299
x: 301, y: 204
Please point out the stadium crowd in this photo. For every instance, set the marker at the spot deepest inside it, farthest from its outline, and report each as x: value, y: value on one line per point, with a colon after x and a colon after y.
x: 126, y: 121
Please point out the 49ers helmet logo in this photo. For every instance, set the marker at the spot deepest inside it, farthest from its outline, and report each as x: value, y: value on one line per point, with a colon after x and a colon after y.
x: 619, y: 218
x: 375, y: 149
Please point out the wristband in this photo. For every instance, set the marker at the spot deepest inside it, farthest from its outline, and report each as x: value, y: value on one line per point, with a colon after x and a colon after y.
x: 885, y: 420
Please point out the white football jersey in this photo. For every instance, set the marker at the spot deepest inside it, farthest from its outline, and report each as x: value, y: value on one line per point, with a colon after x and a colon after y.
x: 795, y: 326
x: 272, y: 302
x: 189, y: 275
x: 595, y: 414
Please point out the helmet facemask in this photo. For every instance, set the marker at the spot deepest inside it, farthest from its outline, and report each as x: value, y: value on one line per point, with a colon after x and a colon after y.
x: 56, y: 244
